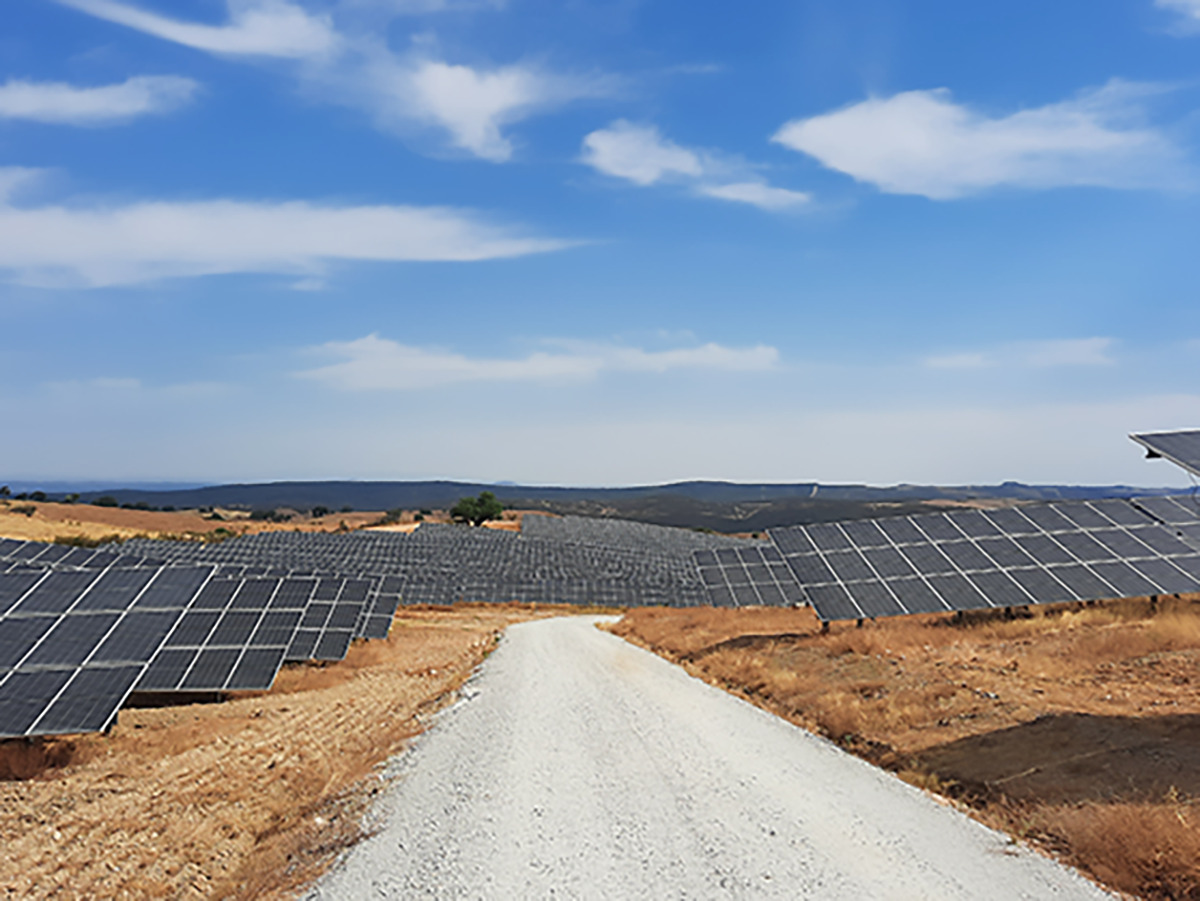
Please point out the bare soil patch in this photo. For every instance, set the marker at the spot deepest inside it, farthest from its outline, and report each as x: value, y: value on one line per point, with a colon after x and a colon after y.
x: 1075, y: 728
x: 249, y: 798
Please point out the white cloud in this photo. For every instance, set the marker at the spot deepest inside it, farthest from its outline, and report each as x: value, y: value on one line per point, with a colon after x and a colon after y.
x: 921, y: 142
x: 471, y: 105
x: 57, y: 102
x: 640, y: 154
x: 757, y: 194
x: 272, y: 28
x: 374, y: 363
x: 1031, y: 355
x: 101, y: 245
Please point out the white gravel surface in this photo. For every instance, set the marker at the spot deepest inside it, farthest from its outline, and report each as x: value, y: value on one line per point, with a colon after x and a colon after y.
x: 580, y: 766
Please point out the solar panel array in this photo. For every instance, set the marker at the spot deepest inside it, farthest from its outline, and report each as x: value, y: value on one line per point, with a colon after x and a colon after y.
x: 622, y: 533
x: 446, y: 564
x: 971, y: 559
x: 1181, y: 448
x: 82, y: 628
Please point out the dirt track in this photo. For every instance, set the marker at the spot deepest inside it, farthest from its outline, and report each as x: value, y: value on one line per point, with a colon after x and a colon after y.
x: 582, y: 766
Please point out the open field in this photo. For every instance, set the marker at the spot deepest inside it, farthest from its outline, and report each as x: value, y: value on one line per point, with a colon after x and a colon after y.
x: 48, y: 521
x: 247, y: 798
x: 1078, y: 729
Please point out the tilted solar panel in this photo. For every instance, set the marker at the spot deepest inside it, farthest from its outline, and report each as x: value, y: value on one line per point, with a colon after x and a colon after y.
x: 1181, y: 448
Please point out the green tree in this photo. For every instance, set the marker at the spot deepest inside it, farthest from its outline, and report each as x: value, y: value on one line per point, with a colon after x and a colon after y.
x: 5, y: 491
x: 107, y: 501
x: 477, y: 510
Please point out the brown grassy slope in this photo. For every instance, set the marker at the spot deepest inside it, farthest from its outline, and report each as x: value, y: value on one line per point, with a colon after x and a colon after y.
x: 243, y: 799
x: 1077, y: 728
x: 48, y: 521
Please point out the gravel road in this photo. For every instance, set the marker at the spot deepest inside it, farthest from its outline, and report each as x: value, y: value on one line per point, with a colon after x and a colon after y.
x: 580, y: 766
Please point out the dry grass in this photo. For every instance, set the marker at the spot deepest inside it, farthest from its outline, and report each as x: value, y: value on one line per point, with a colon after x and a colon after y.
x: 47, y: 521
x: 243, y: 799
x: 1077, y: 727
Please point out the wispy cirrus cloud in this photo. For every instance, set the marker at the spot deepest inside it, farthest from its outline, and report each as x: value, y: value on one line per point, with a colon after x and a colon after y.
x: 373, y: 363
x: 1031, y: 355
x: 402, y: 92
x: 268, y: 28
x: 922, y: 142
x: 67, y: 104
x: 95, y: 244
x: 642, y: 155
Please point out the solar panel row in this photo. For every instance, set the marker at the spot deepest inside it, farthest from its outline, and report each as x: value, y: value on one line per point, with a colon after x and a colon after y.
x: 970, y: 559
x: 73, y: 643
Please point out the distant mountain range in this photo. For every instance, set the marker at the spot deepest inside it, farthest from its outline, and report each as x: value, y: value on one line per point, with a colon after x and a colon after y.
x: 722, y: 506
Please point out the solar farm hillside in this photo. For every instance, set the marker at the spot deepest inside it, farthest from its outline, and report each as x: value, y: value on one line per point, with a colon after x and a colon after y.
x: 83, y: 629
x: 719, y: 506
x: 862, y: 629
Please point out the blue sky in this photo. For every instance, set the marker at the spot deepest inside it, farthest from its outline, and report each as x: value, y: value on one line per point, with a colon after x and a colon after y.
x: 595, y: 242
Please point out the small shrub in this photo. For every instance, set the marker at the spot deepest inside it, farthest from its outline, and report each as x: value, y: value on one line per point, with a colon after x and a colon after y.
x: 85, y: 541
x: 269, y: 516
x: 26, y: 509
x: 105, y: 501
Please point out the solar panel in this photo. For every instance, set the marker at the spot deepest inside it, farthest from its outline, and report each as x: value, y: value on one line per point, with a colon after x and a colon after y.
x: 330, y: 619
x: 969, y: 559
x: 748, y: 576
x: 1181, y: 448
x: 234, y: 636
x: 72, y: 643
